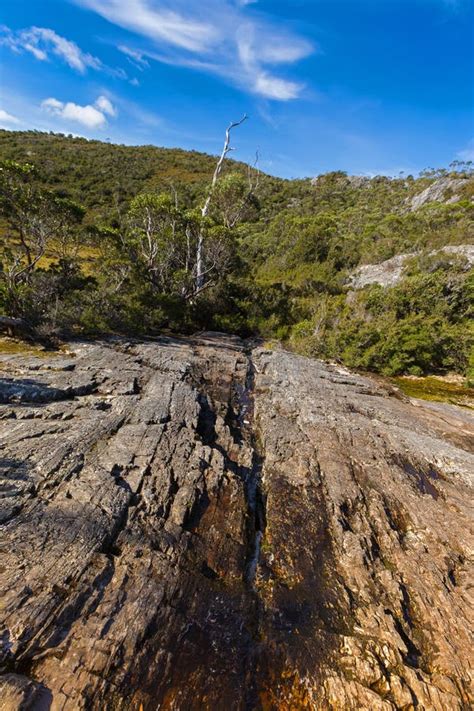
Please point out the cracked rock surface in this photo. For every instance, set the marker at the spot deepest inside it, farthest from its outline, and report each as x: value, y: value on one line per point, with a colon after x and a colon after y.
x: 195, y: 524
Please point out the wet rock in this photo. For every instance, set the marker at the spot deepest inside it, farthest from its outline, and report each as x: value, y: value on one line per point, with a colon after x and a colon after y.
x: 19, y: 692
x: 203, y: 525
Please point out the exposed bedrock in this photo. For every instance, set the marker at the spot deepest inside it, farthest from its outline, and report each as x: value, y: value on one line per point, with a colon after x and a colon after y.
x: 199, y: 524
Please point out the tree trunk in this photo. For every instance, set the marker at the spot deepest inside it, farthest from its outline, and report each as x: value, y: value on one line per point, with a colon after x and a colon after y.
x: 205, y: 209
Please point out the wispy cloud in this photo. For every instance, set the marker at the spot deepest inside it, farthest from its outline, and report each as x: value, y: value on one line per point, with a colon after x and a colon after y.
x: 157, y: 22
x: 255, y: 56
x: 106, y: 106
x: 134, y: 57
x: 43, y: 43
x: 90, y: 115
x: 228, y: 38
x: 7, y: 119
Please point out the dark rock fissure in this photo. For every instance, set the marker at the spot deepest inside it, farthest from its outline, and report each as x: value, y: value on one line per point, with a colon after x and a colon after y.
x: 240, y: 418
x: 253, y: 481
x: 241, y: 422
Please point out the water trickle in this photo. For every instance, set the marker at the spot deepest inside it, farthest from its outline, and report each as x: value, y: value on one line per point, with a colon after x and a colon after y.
x: 253, y: 476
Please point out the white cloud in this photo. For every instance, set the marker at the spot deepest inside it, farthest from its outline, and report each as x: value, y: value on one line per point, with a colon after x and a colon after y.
x: 254, y: 55
x: 35, y: 51
x: 41, y: 41
x: 135, y: 57
x: 52, y: 105
x: 223, y: 37
x: 156, y: 22
x: 91, y: 116
x: 67, y: 50
x: 106, y: 106
x: 8, y: 119
x: 275, y: 88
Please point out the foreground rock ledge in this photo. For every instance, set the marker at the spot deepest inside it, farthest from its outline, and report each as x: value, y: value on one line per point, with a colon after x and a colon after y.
x: 192, y: 524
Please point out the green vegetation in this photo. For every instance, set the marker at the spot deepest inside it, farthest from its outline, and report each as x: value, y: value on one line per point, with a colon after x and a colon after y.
x: 100, y: 238
x: 13, y: 346
x: 436, y: 389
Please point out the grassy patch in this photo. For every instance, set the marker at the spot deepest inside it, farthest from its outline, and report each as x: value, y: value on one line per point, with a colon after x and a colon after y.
x: 436, y: 389
x: 15, y: 346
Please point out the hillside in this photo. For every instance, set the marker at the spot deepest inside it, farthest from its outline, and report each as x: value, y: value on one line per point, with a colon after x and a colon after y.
x: 279, y: 256
x: 96, y: 173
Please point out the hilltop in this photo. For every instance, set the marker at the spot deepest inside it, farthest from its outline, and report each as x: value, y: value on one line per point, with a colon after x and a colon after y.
x: 94, y: 172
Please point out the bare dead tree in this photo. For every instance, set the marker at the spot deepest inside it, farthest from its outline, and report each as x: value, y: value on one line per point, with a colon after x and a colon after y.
x: 200, y: 271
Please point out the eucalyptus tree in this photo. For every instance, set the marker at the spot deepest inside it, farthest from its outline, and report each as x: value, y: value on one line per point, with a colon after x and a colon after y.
x: 200, y: 256
x: 37, y: 220
x: 24, y: 208
x: 233, y: 198
x: 67, y: 236
x: 151, y: 237
x: 162, y: 242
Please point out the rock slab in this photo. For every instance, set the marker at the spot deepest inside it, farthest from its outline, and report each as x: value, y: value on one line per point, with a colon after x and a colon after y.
x: 198, y: 524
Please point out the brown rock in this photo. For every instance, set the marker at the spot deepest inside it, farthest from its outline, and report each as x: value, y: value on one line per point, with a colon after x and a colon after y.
x: 189, y: 524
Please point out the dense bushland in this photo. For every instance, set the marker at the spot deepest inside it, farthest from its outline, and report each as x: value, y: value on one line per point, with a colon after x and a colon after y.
x: 98, y: 238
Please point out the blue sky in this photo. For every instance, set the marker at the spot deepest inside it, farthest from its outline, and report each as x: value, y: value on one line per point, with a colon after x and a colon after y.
x: 366, y: 86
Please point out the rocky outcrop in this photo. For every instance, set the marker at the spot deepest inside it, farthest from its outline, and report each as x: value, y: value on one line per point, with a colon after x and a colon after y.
x: 447, y: 190
x: 389, y: 272
x: 196, y: 524
x: 355, y: 181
